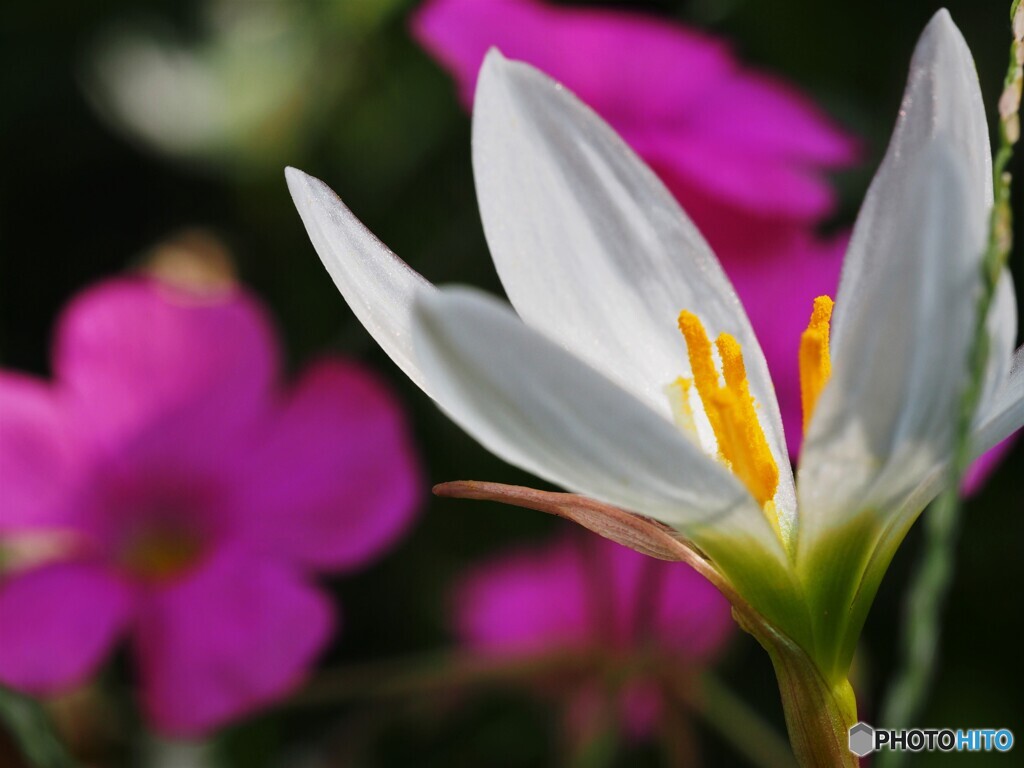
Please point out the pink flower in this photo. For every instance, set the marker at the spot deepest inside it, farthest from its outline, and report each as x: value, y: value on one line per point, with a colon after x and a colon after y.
x: 743, y: 152
x: 729, y: 139
x: 585, y: 593
x: 195, y: 499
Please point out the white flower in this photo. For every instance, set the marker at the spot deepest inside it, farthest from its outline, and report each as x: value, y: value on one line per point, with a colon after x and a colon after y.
x: 590, y: 385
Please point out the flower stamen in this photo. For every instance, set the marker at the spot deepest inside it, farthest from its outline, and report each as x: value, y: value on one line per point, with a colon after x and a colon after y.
x: 731, y: 410
x: 815, y: 360
x: 705, y: 375
x: 161, y: 553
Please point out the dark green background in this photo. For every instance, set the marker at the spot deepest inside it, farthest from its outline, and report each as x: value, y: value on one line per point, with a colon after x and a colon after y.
x: 78, y: 202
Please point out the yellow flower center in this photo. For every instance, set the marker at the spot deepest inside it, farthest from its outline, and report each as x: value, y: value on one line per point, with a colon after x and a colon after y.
x: 161, y: 553
x: 730, y: 407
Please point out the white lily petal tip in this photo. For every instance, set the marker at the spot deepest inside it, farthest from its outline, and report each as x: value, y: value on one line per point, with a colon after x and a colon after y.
x: 300, y: 183
x: 502, y: 75
x: 942, y: 32
x: 494, y: 57
x: 941, y: 17
x: 491, y: 71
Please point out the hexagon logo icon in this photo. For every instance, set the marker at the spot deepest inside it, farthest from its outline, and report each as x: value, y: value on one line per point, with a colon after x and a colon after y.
x: 862, y: 739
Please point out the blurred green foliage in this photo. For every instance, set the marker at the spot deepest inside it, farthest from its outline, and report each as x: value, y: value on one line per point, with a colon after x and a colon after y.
x: 378, y: 120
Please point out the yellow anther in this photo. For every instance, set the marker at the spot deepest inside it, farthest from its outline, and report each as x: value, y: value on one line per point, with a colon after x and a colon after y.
x: 815, y: 362
x: 750, y: 456
x: 730, y: 409
x: 705, y: 377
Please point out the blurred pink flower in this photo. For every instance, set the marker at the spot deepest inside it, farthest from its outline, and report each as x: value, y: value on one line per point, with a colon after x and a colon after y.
x: 713, y: 129
x: 743, y: 152
x: 583, y: 593
x: 195, y: 498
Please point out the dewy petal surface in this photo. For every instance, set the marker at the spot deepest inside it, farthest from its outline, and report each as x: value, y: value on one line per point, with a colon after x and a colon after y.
x: 593, y: 249
x: 907, y: 294
x: 539, y: 407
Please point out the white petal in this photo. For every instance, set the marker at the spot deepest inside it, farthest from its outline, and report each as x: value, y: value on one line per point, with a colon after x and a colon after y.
x: 542, y: 409
x: 378, y: 286
x: 907, y: 295
x: 1004, y: 414
x: 592, y: 248
x: 561, y: 420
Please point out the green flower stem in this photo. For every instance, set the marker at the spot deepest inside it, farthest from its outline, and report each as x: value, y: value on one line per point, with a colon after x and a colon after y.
x: 819, y: 711
x: 33, y: 732
x: 930, y: 584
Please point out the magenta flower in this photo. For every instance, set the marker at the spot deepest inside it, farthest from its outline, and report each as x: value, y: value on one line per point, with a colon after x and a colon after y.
x: 725, y: 139
x: 194, y: 498
x: 589, y: 594
x: 744, y: 153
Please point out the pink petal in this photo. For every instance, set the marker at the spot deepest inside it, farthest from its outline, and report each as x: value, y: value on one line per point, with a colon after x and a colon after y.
x: 581, y: 591
x: 57, y: 623
x: 676, y: 96
x: 38, y: 460
x: 665, y: 604
x: 130, y: 351
x: 234, y: 636
x: 532, y: 600
x: 333, y: 479
x: 742, y: 178
x: 593, y: 52
x: 785, y: 123
x: 694, y: 619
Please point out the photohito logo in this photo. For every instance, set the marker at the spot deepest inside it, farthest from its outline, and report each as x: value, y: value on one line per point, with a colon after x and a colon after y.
x: 865, y: 739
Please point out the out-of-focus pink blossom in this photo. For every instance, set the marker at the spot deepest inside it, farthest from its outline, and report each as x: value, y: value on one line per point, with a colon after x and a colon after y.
x: 714, y: 129
x: 745, y: 153
x: 584, y: 593
x: 194, y: 497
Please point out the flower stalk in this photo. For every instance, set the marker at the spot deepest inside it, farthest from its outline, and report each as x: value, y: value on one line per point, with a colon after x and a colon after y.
x: 818, y: 713
x: 931, y: 582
